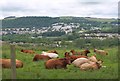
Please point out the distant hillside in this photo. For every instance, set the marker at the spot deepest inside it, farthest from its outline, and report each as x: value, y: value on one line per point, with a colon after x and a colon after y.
x: 42, y: 21
x: 101, y: 19
x: 29, y: 22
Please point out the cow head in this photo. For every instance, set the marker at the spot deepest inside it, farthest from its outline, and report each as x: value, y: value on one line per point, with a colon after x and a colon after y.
x: 95, y: 50
x: 68, y: 61
x: 87, y: 51
x: 65, y: 61
x: 55, y: 52
x: 73, y: 51
x: 99, y: 65
x: 21, y: 50
x: 67, y: 54
x: 100, y: 61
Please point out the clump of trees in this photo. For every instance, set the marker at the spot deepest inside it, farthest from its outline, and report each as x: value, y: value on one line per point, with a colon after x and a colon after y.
x: 53, y: 33
x: 109, y: 42
x: 65, y: 41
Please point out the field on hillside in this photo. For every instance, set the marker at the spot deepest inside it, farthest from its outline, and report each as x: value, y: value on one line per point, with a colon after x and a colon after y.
x: 36, y: 70
x: 100, y: 19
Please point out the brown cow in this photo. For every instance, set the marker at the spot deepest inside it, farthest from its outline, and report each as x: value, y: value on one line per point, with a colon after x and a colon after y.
x: 73, y: 57
x: 27, y: 51
x: 85, y: 52
x: 53, y: 51
x: 38, y: 57
x: 6, y: 63
x: 101, y: 52
x: 57, y: 63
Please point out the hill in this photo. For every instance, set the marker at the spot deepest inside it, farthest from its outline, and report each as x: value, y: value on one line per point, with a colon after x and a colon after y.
x: 44, y: 21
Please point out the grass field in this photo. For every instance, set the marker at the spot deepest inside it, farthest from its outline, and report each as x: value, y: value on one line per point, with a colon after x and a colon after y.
x: 36, y: 70
x: 100, y: 19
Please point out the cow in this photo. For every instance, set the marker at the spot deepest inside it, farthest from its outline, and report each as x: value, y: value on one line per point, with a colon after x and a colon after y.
x: 79, y: 61
x: 53, y: 51
x: 27, y: 51
x: 6, y: 63
x: 73, y: 57
x: 51, y: 55
x: 85, y: 52
x: 90, y: 66
x: 38, y: 57
x: 101, y: 52
x: 57, y: 63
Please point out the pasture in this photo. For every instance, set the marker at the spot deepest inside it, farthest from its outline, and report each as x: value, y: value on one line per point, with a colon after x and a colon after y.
x: 36, y: 70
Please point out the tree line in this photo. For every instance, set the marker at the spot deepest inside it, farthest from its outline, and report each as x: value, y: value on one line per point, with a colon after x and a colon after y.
x: 76, y: 42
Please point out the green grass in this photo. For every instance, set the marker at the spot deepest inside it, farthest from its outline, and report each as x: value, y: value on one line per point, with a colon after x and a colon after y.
x: 36, y: 70
x: 100, y: 19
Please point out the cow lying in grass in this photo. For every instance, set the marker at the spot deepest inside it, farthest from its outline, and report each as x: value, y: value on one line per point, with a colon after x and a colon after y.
x: 90, y: 65
x: 79, y: 61
x: 38, y: 57
x: 87, y: 63
x: 85, y: 52
x: 101, y: 52
x: 73, y: 57
x: 6, y: 63
x: 51, y: 55
x: 57, y: 63
x: 27, y: 51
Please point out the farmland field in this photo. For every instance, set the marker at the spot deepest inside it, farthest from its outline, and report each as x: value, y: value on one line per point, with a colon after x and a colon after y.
x: 36, y: 70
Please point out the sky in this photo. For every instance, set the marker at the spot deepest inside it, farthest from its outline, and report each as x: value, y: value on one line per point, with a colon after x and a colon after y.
x: 55, y: 8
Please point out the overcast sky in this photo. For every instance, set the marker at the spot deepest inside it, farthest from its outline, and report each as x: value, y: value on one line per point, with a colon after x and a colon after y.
x: 54, y: 8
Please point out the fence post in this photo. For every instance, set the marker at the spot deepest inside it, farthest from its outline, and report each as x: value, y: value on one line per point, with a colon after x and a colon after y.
x: 1, y: 57
x: 13, y: 62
